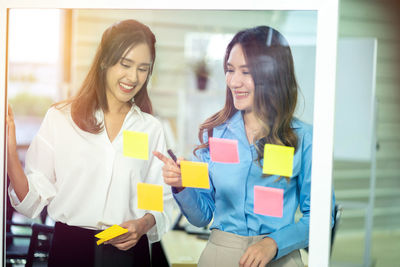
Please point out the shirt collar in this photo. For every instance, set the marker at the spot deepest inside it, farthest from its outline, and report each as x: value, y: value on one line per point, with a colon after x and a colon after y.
x: 295, y: 123
x: 234, y: 123
x: 236, y: 118
x: 136, y: 109
x: 237, y: 121
x: 99, y: 114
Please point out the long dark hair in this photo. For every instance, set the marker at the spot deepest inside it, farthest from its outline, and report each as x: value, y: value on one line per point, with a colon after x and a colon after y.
x: 117, y: 39
x: 270, y: 63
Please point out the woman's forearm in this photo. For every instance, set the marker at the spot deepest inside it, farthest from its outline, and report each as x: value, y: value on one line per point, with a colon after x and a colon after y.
x: 149, y: 221
x: 14, y: 169
x: 17, y: 177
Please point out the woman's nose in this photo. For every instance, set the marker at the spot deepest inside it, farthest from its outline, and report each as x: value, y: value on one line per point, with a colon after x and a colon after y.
x: 235, y: 80
x: 133, y: 75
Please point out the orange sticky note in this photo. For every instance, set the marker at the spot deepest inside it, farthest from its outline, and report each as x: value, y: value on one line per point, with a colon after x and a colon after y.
x: 110, y: 233
x: 224, y: 150
x: 136, y: 145
x: 150, y: 197
x: 268, y: 201
x: 278, y: 160
x: 194, y: 174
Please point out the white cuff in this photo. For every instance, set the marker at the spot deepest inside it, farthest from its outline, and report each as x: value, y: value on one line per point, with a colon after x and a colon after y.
x: 157, y: 231
x: 26, y: 206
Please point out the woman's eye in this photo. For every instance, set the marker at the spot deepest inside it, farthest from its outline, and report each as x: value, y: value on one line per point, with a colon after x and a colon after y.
x: 229, y: 70
x: 246, y: 72
x: 143, y: 69
x: 125, y: 65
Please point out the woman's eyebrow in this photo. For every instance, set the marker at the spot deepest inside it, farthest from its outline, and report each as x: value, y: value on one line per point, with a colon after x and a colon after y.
x: 127, y: 59
x: 132, y: 61
x: 241, y: 66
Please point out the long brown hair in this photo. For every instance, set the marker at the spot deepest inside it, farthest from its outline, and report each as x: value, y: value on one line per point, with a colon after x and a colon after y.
x: 270, y: 63
x: 118, y: 39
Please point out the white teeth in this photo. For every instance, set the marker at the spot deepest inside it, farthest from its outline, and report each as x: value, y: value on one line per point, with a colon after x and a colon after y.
x: 242, y: 94
x: 127, y: 87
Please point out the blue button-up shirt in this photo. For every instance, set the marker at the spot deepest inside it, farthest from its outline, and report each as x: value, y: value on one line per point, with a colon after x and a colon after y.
x: 230, y: 199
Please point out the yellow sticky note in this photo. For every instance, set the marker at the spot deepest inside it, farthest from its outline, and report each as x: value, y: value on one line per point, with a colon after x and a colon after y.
x: 194, y: 174
x: 278, y: 160
x: 150, y: 197
x: 136, y: 145
x: 100, y: 241
x: 110, y: 233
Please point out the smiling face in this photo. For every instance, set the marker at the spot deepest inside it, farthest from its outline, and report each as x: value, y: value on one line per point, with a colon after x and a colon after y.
x: 127, y: 77
x: 239, y: 80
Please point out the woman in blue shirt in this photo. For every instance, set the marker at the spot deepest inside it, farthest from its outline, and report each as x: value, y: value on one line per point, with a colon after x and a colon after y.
x: 260, y: 102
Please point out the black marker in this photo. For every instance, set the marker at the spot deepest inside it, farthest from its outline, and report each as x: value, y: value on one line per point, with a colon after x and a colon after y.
x: 172, y: 155
x: 174, y: 189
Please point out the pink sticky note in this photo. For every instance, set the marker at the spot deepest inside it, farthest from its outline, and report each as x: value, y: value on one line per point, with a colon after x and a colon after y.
x: 268, y: 201
x: 223, y: 150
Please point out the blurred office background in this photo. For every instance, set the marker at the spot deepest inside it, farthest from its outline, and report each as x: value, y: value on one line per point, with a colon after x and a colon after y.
x: 50, y: 52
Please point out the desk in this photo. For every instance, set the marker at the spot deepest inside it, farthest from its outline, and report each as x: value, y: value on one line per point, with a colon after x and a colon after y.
x: 182, y: 249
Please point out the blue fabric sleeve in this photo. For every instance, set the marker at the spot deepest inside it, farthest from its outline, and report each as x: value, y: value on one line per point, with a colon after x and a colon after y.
x: 197, y: 205
x: 295, y: 236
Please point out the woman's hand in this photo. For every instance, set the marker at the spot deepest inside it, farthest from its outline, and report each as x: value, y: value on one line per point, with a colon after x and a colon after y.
x: 136, y: 229
x: 171, y: 171
x: 259, y: 254
x: 11, y: 139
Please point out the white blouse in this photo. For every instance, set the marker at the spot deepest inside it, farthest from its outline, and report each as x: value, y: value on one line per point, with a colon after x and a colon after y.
x: 84, y: 178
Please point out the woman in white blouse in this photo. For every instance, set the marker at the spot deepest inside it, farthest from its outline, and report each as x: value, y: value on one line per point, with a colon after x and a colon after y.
x: 75, y: 164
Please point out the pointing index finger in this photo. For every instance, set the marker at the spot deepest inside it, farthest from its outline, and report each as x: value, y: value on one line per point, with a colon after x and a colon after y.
x: 161, y: 157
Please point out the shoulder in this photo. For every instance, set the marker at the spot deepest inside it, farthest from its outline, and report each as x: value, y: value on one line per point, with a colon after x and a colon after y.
x: 301, y: 127
x: 304, y: 132
x: 142, y: 121
x: 151, y: 120
x: 57, y: 112
x: 145, y: 118
x: 54, y: 120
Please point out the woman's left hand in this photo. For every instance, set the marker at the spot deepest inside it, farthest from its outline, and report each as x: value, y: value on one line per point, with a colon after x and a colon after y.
x: 136, y: 228
x: 259, y: 254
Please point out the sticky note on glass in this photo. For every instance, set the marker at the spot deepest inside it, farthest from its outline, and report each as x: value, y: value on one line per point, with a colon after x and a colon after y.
x: 150, y: 197
x: 268, y: 201
x: 278, y: 160
x: 136, y: 145
x: 110, y: 233
x: 224, y: 150
x: 194, y: 174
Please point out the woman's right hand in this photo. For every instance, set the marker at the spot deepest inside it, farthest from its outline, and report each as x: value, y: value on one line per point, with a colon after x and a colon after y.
x: 11, y: 139
x: 171, y: 171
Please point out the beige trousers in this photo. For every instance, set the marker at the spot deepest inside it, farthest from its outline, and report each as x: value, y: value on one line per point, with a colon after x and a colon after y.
x: 225, y: 249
